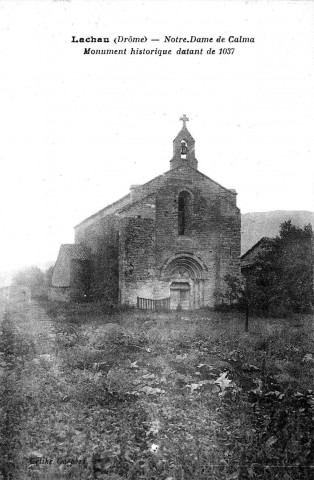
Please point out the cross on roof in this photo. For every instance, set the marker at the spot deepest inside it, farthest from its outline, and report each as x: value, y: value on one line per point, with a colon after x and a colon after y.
x: 184, y: 119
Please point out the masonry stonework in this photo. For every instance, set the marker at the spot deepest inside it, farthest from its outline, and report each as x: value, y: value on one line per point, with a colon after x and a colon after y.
x: 175, y: 237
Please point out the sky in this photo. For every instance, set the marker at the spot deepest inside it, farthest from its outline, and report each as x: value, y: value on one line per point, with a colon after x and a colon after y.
x: 77, y: 130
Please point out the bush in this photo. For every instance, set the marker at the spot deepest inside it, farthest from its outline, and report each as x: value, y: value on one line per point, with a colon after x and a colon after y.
x: 108, y: 336
x: 114, y: 337
x: 32, y: 278
x: 83, y: 358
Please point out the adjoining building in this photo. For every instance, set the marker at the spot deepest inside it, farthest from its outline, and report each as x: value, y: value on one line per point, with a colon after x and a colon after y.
x: 172, y: 239
x: 250, y: 258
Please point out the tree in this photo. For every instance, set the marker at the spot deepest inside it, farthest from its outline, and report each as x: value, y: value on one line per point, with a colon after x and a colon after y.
x: 241, y: 294
x: 48, y: 276
x: 30, y: 277
x: 282, y: 280
x: 234, y: 289
x: 296, y: 266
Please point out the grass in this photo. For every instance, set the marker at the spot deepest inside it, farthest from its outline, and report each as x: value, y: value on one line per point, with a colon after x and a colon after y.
x: 133, y: 395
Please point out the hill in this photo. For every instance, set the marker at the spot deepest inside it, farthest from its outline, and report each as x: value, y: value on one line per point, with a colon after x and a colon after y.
x: 256, y: 225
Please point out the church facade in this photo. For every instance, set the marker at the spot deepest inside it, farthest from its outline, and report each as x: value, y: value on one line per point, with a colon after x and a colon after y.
x: 174, y: 238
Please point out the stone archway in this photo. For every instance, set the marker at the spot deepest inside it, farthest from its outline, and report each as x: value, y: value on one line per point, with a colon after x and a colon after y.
x: 185, y: 275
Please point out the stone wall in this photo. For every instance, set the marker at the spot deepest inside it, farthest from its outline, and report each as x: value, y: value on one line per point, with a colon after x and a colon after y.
x: 60, y: 294
x: 136, y: 258
x: 80, y: 280
x: 102, y: 241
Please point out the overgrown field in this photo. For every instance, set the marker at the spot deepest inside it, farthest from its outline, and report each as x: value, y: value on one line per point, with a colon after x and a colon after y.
x: 174, y: 396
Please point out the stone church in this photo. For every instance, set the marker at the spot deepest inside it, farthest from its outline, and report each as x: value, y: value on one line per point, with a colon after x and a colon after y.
x: 169, y: 242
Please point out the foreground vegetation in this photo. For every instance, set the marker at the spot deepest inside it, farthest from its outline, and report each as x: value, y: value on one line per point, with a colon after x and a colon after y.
x: 181, y: 395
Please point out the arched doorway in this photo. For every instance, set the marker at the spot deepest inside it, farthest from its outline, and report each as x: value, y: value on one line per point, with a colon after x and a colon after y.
x: 185, y: 274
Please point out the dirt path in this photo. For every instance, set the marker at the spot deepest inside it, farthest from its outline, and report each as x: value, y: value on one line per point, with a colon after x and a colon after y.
x: 27, y: 357
x: 31, y: 321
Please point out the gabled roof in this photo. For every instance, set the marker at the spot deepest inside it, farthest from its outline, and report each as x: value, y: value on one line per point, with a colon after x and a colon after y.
x: 184, y: 133
x: 249, y: 258
x: 62, y: 270
x: 263, y: 240
x: 135, y: 203
x: 74, y: 251
x: 127, y: 200
x: 233, y: 192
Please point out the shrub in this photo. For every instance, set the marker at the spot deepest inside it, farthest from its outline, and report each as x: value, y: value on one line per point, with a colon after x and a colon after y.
x: 109, y: 335
x: 114, y: 337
